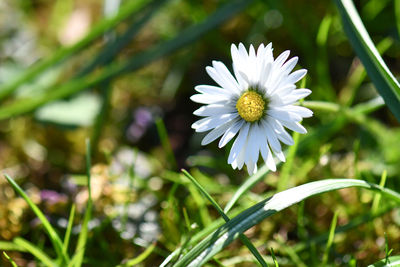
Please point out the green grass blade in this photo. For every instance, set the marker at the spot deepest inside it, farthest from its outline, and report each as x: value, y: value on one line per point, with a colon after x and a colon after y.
x: 186, y: 37
x: 83, y: 235
x: 97, y: 31
x: 225, y: 234
x: 162, y: 133
x: 377, y: 198
x: 35, y: 251
x: 242, y: 237
x: 330, y: 239
x: 397, y: 15
x: 12, y: 262
x: 274, y: 258
x: 384, y: 81
x: 7, y: 245
x: 140, y: 258
x: 389, y: 262
x: 69, y: 228
x: 55, y: 239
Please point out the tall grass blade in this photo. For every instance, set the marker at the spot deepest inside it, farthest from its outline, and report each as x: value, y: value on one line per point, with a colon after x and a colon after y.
x: 69, y: 228
x: 225, y: 234
x: 83, y: 235
x: 35, y: 251
x: 12, y: 262
x: 386, y: 84
x: 330, y: 239
x: 55, y: 239
x: 162, y: 133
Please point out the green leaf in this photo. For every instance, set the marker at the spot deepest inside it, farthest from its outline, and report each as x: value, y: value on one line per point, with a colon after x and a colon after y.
x: 55, y: 239
x: 225, y: 234
x: 386, y: 84
x: 389, y: 262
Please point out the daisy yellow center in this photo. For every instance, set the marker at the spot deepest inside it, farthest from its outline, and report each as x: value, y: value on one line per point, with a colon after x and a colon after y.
x: 250, y: 106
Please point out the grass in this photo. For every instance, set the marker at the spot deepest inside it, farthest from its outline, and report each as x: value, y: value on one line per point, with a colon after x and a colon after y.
x: 333, y: 202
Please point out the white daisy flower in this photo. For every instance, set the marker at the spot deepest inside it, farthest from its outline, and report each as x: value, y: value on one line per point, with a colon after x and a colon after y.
x: 255, y: 104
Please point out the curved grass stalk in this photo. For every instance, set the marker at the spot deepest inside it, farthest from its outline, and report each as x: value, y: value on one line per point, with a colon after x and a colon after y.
x: 55, y: 239
x: 225, y: 234
x: 35, y: 251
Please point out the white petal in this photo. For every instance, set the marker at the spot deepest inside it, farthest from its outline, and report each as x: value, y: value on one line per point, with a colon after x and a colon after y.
x: 231, y: 132
x: 236, y: 64
x: 289, y: 65
x: 301, y: 93
x: 252, y: 53
x: 271, y: 136
x: 252, y: 148
x: 251, y: 167
x: 283, y: 114
x: 239, y: 142
x: 280, y: 155
x: 294, y: 77
x: 301, y: 111
x: 243, y: 53
x: 217, y: 132
x: 212, y: 122
x: 294, y: 96
x: 281, y: 132
x: 226, y: 76
x: 267, y: 156
x: 242, y: 82
x: 265, y: 73
x: 211, y: 90
x: 281, y: 58
x: 294, y: 126
x: 220, y: 79
x: 261, y: 52
x: 214, y: 109
x: 240, y: 159
x: 209, y: 99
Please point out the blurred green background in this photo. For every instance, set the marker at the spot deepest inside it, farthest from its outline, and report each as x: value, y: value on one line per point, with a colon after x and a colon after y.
x: 121, y: 73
